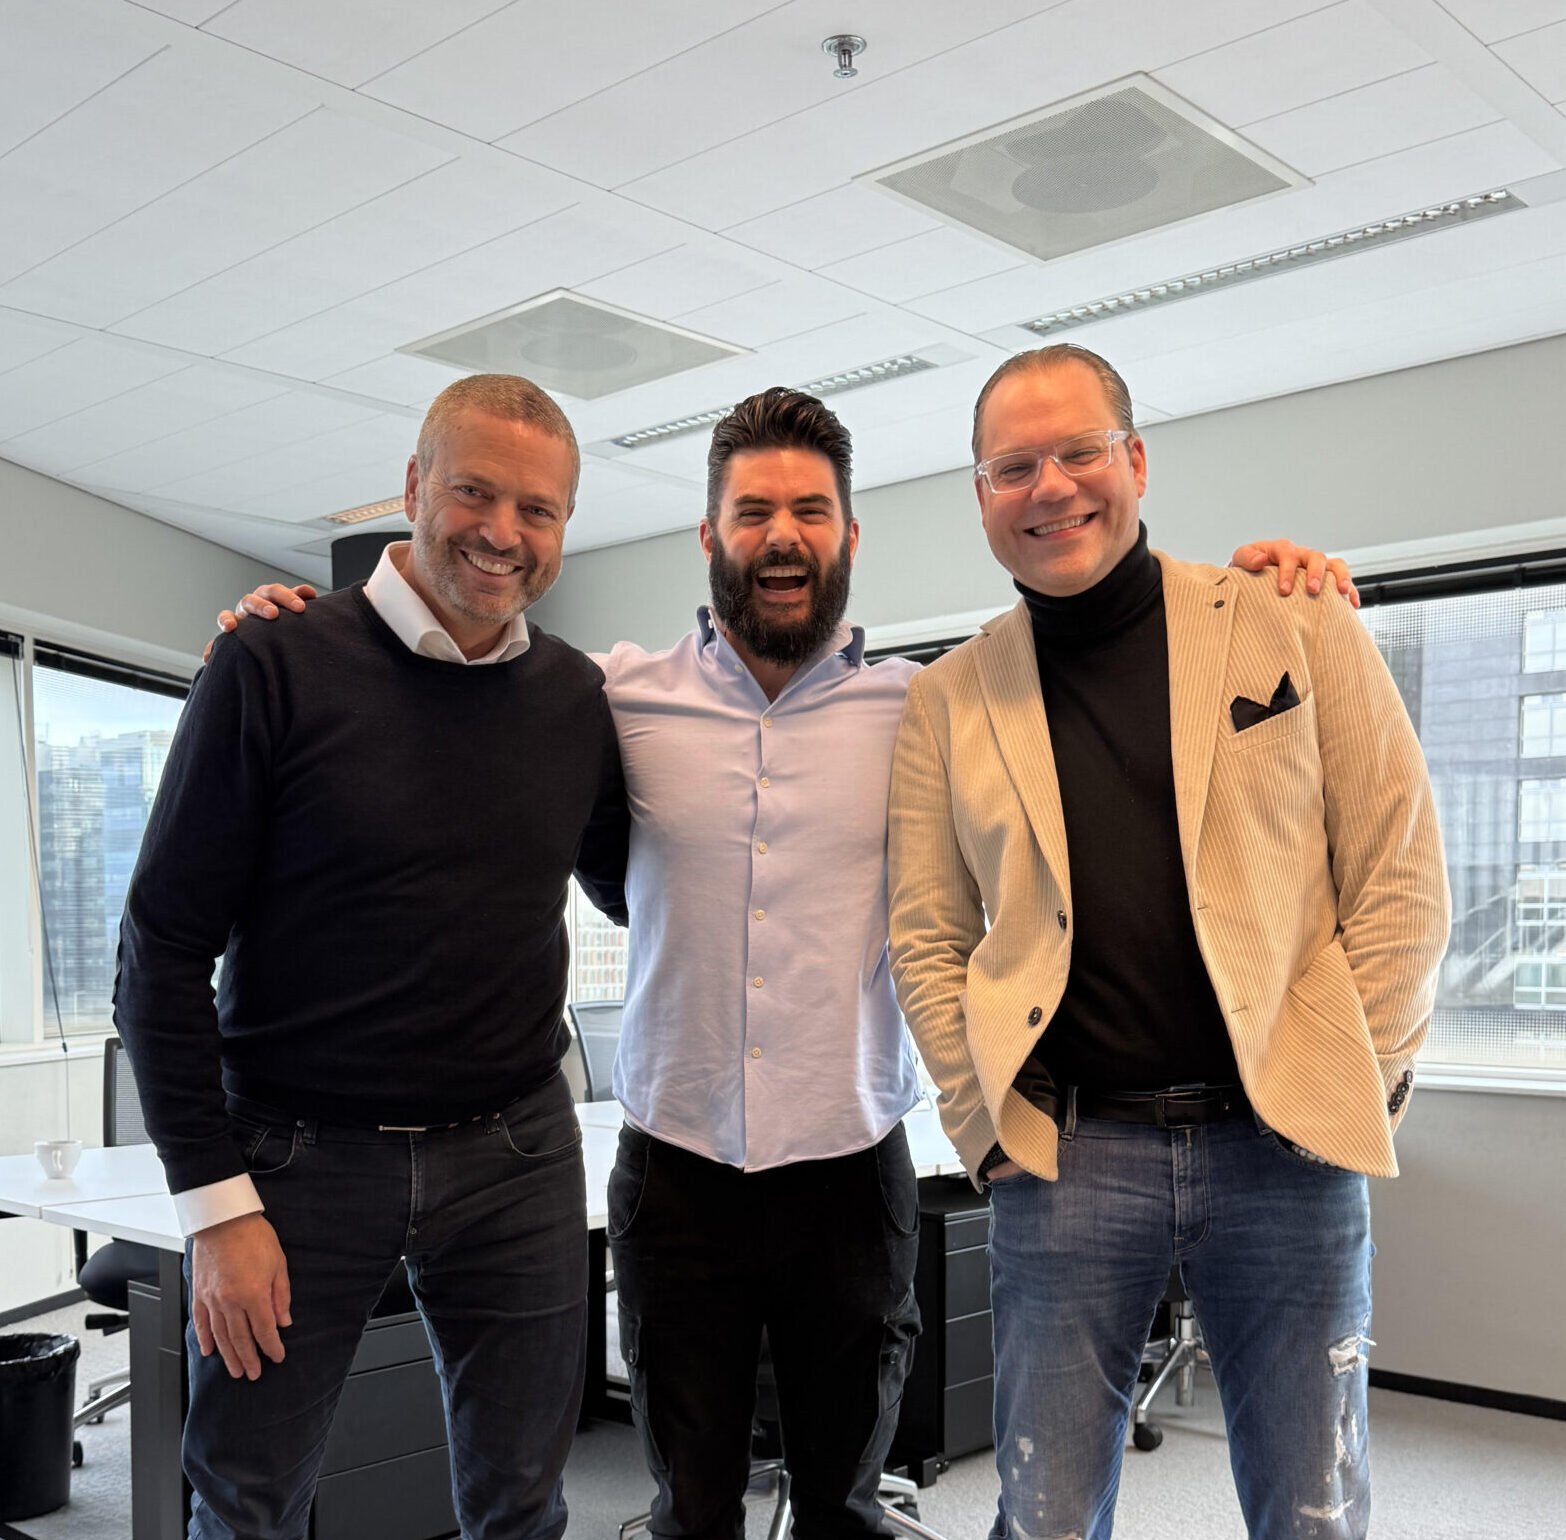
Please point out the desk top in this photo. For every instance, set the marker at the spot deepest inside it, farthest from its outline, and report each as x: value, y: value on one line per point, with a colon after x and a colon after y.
x: 128, y: 1170
x: 121, y: 1192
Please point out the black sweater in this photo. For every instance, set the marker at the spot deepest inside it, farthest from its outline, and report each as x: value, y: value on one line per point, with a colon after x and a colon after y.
x: 378, y: 844
x: 1139, y: 1011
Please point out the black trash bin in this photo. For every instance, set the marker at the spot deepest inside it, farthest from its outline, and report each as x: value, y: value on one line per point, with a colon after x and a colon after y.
x: 37, y: 1397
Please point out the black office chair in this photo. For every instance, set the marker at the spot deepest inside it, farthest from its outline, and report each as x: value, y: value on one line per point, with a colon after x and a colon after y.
x: 595, y: 1024
x: 105, y: 1276
x: 1174, y: 1351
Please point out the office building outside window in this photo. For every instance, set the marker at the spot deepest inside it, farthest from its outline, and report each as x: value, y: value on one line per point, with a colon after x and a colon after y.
x: 1484, y: 678
x: 100, y: 747
x: 597, y: 951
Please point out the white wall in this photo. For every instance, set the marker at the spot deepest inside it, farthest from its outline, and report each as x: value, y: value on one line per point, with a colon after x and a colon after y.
x: 1380, y: 470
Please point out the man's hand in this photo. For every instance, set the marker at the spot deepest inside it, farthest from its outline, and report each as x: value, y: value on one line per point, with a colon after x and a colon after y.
x: 1291, y: 559
x: 264, y: 606
x: 239, y: 1293
x: 1004, y: 1169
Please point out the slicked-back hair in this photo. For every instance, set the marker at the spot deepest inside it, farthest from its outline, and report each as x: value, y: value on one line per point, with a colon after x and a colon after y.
x: 1056, y: 356
x: 779, y: 418
x: 507, y: 396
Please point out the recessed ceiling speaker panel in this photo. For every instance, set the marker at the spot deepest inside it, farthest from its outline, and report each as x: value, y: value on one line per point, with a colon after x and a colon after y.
x: 1117, y: 162
x: 576, y: 346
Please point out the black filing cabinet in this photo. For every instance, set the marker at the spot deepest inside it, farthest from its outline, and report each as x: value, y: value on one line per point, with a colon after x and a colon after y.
x: 386, y: 1471
x: 947, y: 1400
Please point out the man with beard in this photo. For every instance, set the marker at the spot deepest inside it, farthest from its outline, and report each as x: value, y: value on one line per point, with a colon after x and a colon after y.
x: 763, y: 1178
x: 377, y: 834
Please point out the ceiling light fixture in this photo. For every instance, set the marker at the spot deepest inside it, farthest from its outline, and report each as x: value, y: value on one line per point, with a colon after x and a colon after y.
x: 1384, y: 232
x: 365, y: 514
x: 845, y: 48
x: 827, y: 385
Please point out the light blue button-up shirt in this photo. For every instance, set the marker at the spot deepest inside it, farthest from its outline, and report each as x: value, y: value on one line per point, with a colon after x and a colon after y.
x: 760, y: 1026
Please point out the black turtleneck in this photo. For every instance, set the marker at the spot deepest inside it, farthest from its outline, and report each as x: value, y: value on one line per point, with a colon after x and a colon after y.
x: 1139, y: 1012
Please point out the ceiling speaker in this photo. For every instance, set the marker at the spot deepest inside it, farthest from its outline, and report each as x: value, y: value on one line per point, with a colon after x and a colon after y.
x: 1117, y: 162
x: 576, y: 346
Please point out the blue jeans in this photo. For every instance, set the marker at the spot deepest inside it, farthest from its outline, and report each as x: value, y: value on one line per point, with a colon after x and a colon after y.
x: 492, y: 1219
x: 1274, y: 1250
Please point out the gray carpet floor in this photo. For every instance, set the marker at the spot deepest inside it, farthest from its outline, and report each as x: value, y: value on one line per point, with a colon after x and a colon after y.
x: 1442, y: 1472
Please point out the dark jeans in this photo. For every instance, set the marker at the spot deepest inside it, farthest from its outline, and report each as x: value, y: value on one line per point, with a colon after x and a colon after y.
x: 821, y: 1254
x: 491, y: 1217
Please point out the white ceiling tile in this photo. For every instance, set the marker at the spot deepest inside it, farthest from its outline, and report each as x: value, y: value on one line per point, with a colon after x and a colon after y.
x: 778, y: 310
x: 298, y: 178
x: 1319, y: 55
x: 871, y: 408
x: 1063, y: 50
x: 913, y: 446
x: 1540, y: 58
x: 1492, y: 20
x: 663, y: 286
x: 832, y: 226
x: 23, y: 339
x: 397, y: 377
x: 742, y: 79
x: 193, y: 12
x: 565, y: 250
x: 272, y: 426
x: 1375, y: 120
x: 349, y: 41
x: 654, y: 508
x: 535, y: 57
x: 71, y: 378
x: 54, y: 59
x: 459, y: 206
x: 147, y: 413
x: 922, y: 264
x: 166, y: 121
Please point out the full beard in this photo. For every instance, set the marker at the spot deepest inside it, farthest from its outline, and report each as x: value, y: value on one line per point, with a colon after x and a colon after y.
x: 779, y: 641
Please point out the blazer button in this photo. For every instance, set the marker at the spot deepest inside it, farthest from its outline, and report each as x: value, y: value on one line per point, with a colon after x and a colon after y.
x: 1060, y: 918
x: 1035, y: 1016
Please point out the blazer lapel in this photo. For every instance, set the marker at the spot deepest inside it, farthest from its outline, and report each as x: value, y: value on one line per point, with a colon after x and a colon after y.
x: 1199, y: 614
x: 1008, y: 673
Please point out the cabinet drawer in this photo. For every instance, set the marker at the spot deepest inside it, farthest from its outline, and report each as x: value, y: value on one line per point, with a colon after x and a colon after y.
x: 385, y: 1414
x: 399, y: 1340
x: 970, y: 1417
x: 970, y: 1348
x: 967, y: 1283
x: 406, y: 1499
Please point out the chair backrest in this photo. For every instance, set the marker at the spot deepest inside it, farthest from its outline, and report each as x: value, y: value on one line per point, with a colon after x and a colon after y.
x: 597, y: 1027
x: 122, y: 1122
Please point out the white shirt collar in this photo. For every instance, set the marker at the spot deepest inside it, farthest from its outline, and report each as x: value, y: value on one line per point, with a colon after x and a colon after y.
x: 414, y: 622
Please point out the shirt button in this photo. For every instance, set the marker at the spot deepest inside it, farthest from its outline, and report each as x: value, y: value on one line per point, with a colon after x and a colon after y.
x: 739, y: 668
x: 766, y: 721
x: 1060, y: 918
x: 761, y: 849
x: 766, y: 780
x: 757, y: 981
x: 755, y: 1053
x: 761, y: 914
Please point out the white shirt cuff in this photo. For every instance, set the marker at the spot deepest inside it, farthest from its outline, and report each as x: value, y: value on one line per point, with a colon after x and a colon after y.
x: 199, y: 1208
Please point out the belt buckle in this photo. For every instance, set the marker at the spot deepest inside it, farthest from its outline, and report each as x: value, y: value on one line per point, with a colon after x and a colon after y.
x: 1163, y: 1099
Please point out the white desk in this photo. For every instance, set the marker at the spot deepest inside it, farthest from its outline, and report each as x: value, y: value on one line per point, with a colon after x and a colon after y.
x: 125, y: 1172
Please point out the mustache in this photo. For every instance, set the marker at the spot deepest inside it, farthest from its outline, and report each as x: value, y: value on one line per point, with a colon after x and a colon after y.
x: 798, y: 557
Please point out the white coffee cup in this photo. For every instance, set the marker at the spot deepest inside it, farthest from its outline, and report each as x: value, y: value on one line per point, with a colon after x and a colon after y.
x: 58, y: 1157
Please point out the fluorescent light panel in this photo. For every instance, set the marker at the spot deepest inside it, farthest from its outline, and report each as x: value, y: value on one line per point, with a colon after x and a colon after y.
x: 365, y: 514
x: 1399, y: 228
x: 827, y: 385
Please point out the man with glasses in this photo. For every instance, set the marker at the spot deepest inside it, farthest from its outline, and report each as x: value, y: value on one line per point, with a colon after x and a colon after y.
x: 1167, y: 905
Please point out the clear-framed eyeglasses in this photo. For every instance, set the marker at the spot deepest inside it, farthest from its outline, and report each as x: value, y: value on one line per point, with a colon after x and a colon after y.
x: 1020, y: 470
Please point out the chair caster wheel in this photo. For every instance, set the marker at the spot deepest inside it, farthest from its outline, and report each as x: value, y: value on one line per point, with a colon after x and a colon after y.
x: 1147, y: 1435
x: 76, y: 1453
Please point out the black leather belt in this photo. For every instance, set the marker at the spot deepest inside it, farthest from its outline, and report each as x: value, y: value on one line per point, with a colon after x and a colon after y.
x: 1181, y: 1107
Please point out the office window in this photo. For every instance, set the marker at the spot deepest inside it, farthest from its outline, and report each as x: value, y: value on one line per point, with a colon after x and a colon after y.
x: 1461, y: 662
x: 101, y: 735
x: 1544, y: 641
x: 1543, y: 725
x: 1541, y: 811
x: 597, y: 951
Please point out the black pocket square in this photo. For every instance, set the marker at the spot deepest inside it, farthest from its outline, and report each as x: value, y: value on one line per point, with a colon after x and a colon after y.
x: 1248, y: 713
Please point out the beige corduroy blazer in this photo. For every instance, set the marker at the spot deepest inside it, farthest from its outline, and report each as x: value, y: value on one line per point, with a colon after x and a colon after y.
x: 1312, y: 860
